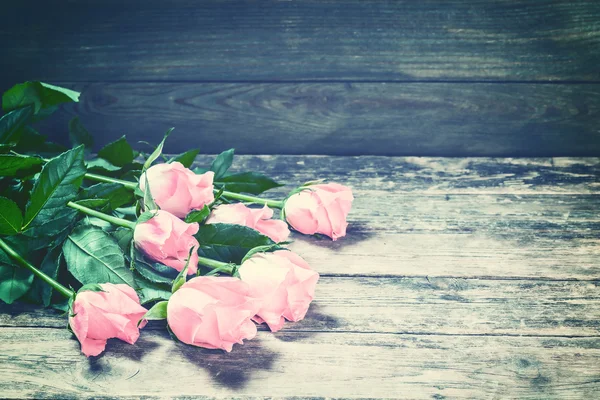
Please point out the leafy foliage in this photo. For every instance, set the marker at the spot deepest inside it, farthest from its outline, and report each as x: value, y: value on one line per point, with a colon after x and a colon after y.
x: 229, y: 243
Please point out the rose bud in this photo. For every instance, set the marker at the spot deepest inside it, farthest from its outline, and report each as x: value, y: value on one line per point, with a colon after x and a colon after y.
x: 177, y: 189
x: 255, y: 218
x: 320, y: 209
x: 284, y: 283
x: 212, y: 312
x: 111, y: 313
x: 168, y: 240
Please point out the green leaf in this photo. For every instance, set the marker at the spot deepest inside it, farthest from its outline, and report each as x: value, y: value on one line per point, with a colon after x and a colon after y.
x: 248, y: 182
x: 40, y: 290
x: 150, y: 291
x: 92, y: 203
x: 12, y: 124
x: 79, y: 135
x: 182, y: 276
x: 222, y: 163
x: 157, y: 152
x: 198, y: 215
x: 187, y: 158
x: 14, y: 281
x: 152, y: 270
x: 39, y: 94
x: 12, y: 165
x: 33, y: 142
x: 157, y: 312
x: 93, y: 256
x: 123, y: 236
x: 11, y: 218
x: 57, y: 185
x: 146, y: 216
x: 118, y: 153
x: 149, y: 203
x: 228, y: 242
x: 116, y: 194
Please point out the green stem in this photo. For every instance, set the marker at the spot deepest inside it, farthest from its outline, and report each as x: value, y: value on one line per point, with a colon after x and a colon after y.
x: 218, y: 266
x: 106, y: 179
x: 14, y: 255
x: 105, y: 217
x: 253, y: 199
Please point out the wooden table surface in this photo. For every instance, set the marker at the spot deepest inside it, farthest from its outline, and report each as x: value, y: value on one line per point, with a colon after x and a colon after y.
x: 459, y: 278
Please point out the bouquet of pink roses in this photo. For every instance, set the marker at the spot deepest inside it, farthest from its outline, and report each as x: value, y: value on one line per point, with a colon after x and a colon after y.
x: 127, y: 237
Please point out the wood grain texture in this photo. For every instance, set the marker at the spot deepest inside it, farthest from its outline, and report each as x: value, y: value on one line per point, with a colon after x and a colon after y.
x: 46, y: 363
x: 444, y: 306
x: 445, y: 119
x: 302, y: 40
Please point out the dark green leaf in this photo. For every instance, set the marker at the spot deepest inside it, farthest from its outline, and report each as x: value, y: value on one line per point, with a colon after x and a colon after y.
x: 58, y: 184
x: 187, y: 158
x: 157, y: 312
x: 222, y: 163
x: 229, y: 243
x: 33, y: 142
x: 11, y: 218
x: 123, y: 236
x: 92, y: 203
x: 150, y: 291
x: 101, y: 165
x: 152, y: 270
x: 14, y: 281
x: 157, y: 152
x: 198, y: 215
x: 40, y: 290
x: 116, y: 194
x: 39, y: 94
x: 12, y: 124
x: 11, y: 165
x: 93, y: 256
x: 118, y: 153
x: 79, y: 135
x: 248, y: 182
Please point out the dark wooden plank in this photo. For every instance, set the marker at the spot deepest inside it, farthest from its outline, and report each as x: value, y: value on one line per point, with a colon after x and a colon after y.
x: 46, y: 363
x: 445, y: 119
x: 447, y: 306
x: 521, y: 40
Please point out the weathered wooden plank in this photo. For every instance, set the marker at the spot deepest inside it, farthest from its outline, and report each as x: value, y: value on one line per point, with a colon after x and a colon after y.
x: 422, y: 306
x: 445, y: 119
x: 399, y: 176
x: 46, y: 363
x: 278, y: 40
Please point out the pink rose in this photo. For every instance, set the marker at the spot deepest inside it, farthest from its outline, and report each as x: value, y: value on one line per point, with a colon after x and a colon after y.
x: 98, y: 316
x: 212, y: 312
x: 177, y: 189
x: 168, y: 240
x: 255, y: 218
x: 320, y: 209
x: 284, y: 282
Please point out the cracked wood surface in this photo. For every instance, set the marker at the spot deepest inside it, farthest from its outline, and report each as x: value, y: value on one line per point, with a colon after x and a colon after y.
x: 459, y: 278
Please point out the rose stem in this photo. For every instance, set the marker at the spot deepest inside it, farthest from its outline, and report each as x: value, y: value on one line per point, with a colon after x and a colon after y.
x: 218, y: 266
x: 105, y: 217
x: 14, y: 255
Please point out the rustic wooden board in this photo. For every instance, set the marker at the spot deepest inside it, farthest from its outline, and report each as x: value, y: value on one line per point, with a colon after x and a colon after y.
x: 46, y: 363
x: 185, y: 40
x: 446, y: 119
x: 415, y: 306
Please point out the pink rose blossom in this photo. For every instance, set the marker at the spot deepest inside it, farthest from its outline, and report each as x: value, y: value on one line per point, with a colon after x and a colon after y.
x: 320, y: 209
x: 168, y: 240
x: 212, y: 312
x: 98, y: 316
x: 177, y: 189
x: 255, y: 218
x: 284, y: 282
